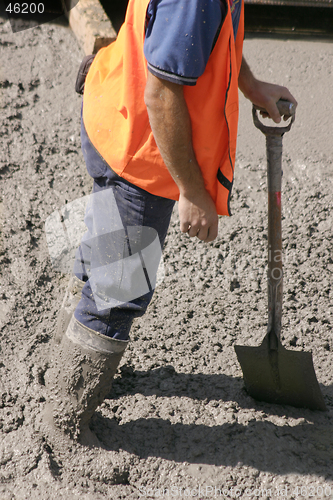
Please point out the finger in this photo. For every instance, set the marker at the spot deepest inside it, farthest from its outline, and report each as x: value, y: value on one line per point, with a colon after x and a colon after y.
x: 184, y: 227
x: 193, y: 231
x: 273, y: 112
x: 203, y: 233
x: 212, y: 233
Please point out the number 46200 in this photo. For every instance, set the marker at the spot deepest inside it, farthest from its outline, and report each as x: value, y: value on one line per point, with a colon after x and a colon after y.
x: 25, y: 8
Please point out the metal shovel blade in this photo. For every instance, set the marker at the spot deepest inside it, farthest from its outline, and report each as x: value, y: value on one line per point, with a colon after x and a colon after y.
x: 280, y: 376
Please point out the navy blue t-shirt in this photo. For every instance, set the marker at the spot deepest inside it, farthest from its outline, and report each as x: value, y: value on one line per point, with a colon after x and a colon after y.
x: 180, y: 36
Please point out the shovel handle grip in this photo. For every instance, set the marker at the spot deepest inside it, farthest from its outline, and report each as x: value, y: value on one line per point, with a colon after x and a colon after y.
x: 286, y: 109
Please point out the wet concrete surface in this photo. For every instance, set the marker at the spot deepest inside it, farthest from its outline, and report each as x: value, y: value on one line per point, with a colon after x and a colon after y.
x: 177, y: 416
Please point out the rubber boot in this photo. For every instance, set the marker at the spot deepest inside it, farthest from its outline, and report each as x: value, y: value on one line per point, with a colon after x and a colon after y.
x: 80, y: 377
x: 71, y: 299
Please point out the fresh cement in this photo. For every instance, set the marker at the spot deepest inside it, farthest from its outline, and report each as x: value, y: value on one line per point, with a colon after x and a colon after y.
x: 177, y: 418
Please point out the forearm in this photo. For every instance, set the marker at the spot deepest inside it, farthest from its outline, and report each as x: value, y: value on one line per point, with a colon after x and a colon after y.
x: 246, y: 80
x: 171, y: 126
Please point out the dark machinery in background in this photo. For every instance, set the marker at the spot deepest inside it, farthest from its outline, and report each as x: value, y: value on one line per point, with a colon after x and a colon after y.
x: 281, y: 17
x: 291, y: 18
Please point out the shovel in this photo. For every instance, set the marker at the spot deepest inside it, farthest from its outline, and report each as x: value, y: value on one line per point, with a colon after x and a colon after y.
x: 271, y: 372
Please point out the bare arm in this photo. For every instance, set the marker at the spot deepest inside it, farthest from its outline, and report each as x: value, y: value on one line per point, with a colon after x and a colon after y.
x: 261, y: 93
x: 171, y: 126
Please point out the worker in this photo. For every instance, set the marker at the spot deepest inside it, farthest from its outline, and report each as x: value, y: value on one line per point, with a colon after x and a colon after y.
x: 159, y: 125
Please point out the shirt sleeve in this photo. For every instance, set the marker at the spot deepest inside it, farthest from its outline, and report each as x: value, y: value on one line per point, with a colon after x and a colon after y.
x: 180, y: 35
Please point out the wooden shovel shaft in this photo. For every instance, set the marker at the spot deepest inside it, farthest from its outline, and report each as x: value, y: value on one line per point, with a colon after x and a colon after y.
x: 275, y: 278
x: 274, y: 173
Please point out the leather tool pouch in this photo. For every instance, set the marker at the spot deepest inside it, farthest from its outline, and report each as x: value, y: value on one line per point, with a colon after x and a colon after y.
x: 83, y: 71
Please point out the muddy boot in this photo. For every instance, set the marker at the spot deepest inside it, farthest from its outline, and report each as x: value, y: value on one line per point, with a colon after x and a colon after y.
x: 80, y: 377
x: 68, y: 306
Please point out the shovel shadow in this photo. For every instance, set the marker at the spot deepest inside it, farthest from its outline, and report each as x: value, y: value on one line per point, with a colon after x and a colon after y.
x: 304, y: 448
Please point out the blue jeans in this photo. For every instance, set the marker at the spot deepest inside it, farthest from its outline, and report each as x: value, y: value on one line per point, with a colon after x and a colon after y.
x: 119, y: 254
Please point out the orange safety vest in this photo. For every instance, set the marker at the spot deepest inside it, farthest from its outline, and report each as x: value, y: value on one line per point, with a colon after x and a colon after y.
x: 116, y: 119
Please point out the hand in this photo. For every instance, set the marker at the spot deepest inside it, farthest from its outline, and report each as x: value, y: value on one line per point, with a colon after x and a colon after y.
x: 198, y: 216
x: 266, y: 95
x: 262, y: 94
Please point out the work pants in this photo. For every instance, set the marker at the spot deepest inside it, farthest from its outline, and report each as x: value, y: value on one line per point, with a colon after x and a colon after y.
x: 120, y: 252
